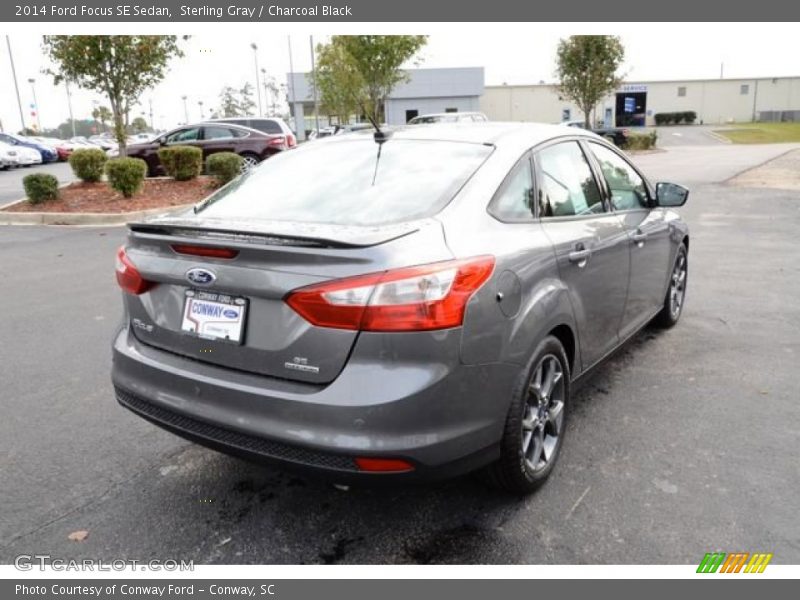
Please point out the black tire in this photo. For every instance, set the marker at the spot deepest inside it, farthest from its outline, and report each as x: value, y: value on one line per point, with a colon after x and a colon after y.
x: 676, y: 291
x: 514, y: 470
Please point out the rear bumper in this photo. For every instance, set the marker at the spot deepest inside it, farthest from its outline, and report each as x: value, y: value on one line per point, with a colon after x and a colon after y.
x: 443, y: 417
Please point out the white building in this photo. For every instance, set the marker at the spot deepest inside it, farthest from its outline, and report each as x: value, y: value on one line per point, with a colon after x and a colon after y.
x: 426, y: 91
x: 714, y: 101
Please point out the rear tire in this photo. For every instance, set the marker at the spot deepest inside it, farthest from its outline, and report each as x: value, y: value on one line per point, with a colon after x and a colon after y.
x: 536, y: 422
x: 249, y: 160
x: 676, y: 291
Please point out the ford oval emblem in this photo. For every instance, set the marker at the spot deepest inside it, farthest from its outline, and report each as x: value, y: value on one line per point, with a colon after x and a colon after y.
x: 200, y: 276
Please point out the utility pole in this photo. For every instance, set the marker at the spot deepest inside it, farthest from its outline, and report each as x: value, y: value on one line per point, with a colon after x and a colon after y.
x: 16, y: 86
x: 185, y: 111
x: 152, y: 124
x: 314, y: 85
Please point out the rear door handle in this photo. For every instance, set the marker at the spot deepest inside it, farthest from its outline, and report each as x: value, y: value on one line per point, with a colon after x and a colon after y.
x: 639, y: 238
x: 580, y: 257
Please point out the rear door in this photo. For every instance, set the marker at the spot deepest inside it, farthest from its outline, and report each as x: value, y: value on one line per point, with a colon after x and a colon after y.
x: 590, y: 245
x: 219, y: 138
x: 648, y: 233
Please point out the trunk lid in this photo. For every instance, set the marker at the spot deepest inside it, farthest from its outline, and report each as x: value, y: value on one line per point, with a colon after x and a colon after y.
x: 272, y: 259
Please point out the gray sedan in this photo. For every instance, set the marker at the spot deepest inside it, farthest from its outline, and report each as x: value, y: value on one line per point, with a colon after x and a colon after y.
x: 401, y: 304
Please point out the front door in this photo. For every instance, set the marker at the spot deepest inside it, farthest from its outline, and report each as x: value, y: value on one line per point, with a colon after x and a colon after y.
x: 590, y: 245
x: 648, y: 231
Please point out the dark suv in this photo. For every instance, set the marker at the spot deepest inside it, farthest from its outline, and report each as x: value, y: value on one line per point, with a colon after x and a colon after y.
x: 252, y: 145
x: 271, y: 125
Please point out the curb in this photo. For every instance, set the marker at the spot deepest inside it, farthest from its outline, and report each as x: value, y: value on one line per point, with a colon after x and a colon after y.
x: 55, y: 218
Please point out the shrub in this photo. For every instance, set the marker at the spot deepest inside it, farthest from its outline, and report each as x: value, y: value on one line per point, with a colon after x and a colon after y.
x: 40, y: 187
x: 87, y: 163
x: 668, y: 118
x: 126, y: 175
x: 224, y: 166
x: 181, y: 162
x: 641, y: 141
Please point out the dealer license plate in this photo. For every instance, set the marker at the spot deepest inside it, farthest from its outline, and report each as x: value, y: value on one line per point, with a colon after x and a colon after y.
x: 214, y: 316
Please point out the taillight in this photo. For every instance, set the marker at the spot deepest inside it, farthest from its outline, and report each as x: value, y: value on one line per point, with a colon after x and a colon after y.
x: 291, y: 140
x: 207, y: 251
x: 128, y: 278
x: 419, y: 298
x: 278, y: 141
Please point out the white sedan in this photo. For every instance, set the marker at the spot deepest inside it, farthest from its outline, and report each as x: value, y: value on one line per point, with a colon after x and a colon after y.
x: 8, y: 156
x: 28, y: 156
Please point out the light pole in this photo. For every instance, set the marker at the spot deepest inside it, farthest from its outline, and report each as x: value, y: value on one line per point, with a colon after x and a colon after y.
x: 314, y: 85
x: 258, y: 88
x: 32, y: 81
x: 69, y: 105
x: 185, y: 111
x: 16, y: 86
x: 292, y: 115
x: 202, y: 114
x: 264, y: 84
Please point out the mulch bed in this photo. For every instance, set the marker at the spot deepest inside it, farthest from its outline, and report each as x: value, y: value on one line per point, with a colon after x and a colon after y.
x: 100, y: 198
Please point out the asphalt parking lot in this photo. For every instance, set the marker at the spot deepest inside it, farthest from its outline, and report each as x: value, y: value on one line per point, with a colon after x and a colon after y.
x: 685, y: 442
x: 11, y: 188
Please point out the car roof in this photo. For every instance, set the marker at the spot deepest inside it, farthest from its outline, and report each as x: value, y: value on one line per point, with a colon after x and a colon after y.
x: 508, y: 135
x: 218, y: 123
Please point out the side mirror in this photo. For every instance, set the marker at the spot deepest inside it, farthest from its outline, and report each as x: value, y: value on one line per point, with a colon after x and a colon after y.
x: 671, y: 194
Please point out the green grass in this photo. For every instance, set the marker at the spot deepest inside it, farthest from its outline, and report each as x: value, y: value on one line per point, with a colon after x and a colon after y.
x: 762, y: 133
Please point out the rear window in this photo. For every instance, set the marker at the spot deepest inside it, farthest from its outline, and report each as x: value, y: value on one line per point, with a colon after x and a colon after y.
x: 345, y: 183
x: 263, y: 125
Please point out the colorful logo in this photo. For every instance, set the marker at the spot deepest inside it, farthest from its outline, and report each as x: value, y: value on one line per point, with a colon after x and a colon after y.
x: 735, y: 562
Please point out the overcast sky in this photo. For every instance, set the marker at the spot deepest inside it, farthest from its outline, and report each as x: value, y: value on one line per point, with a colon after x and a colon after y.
x: 510, y: 53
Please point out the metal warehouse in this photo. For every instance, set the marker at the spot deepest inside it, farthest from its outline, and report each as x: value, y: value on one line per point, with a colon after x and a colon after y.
x: 637, y: 103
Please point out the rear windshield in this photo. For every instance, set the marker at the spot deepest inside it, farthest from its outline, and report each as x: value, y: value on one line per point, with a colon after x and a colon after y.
x: 345, y: 182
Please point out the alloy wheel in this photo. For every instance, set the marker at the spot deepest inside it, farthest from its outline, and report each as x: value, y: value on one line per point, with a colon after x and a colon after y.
x: 543, y: 421
x: 677, y: 285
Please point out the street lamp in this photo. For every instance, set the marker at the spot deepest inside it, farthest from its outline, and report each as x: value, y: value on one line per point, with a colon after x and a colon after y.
x: 69, y: 105
x: 258, y: 88
x: 185, y: 111
x: 264, y: 85
x: 202, y: 114
x: 32, y: 81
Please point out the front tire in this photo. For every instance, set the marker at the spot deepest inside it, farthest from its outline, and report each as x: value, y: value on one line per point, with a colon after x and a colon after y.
x: 536, y: 422
x: 676, y: 291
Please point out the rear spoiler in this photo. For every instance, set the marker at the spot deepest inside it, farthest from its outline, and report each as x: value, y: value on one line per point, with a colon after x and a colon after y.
x: 285, y: 234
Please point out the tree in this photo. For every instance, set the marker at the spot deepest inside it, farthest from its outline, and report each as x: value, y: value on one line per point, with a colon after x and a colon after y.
x: 119, y: 66
x: 587, y: 68
x: 102, y: 114
x: 246, y: 102
x: 338, y: 82
x: 363, y: 69
x: 139, y: 125
x: 229, y: 103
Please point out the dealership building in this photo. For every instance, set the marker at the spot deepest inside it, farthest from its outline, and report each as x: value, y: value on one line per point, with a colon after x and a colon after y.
x: 635, y: 103
x: 426, y: 91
